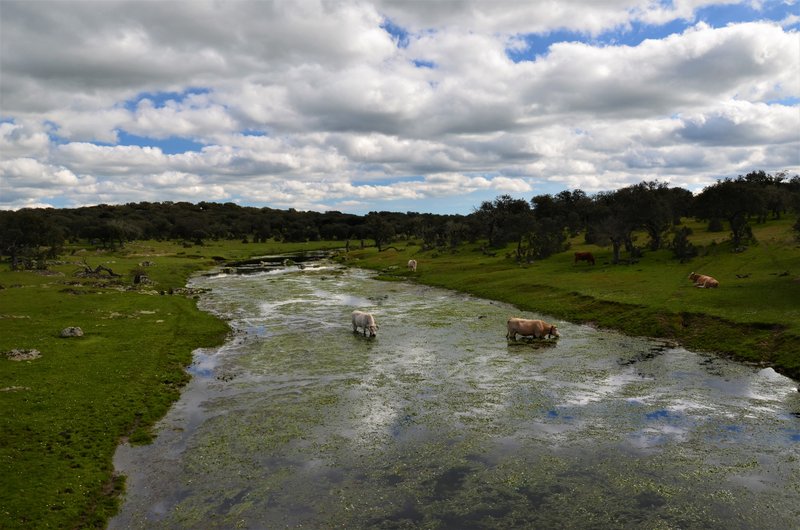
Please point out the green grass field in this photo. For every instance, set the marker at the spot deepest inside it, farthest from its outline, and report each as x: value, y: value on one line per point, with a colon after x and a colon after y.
x: 753, y: 316
x: 65, y: 412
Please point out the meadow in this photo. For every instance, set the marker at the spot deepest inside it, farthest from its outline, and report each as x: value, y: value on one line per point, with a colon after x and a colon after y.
x: 66, y: 411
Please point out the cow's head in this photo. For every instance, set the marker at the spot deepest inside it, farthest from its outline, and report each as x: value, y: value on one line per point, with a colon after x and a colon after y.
x: 553, y: 331
x: 373, y: 331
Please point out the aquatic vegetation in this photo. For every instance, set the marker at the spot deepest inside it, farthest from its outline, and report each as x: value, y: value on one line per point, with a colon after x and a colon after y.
x: 441, y: 422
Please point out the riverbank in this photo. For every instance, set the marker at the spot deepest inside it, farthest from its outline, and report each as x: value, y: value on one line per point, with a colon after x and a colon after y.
x: 67, y: 409
x: 754, y: 316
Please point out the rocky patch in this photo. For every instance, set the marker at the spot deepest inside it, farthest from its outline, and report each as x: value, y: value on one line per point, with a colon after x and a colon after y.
x: 22, y: 354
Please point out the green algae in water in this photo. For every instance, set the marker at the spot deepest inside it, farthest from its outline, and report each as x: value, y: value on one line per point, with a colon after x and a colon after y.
x: 439, y: 422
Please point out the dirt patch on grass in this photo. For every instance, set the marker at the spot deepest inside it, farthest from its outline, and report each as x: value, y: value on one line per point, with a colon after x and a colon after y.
x: 22, y: 354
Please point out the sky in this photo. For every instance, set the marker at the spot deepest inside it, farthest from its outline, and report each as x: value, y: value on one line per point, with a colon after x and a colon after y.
x: 386, y: 105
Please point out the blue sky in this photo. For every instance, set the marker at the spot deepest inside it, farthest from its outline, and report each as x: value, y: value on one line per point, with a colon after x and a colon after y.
x: 170, y: 145
x: 387, y: 105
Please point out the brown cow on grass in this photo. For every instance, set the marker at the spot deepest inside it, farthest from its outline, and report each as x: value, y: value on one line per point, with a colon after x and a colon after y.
x: 702, y: 281
x: 584, y: 256
x: 536, y: 328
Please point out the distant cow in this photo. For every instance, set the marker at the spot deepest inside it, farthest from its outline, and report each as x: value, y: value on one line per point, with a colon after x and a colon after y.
x: 412, y: 265
x: 702, y: 281
x: 584, y: 256
x: 536, y: 328
x: 365, y: 321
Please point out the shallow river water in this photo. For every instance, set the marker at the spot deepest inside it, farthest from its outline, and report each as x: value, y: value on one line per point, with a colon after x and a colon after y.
x: 440, y: 422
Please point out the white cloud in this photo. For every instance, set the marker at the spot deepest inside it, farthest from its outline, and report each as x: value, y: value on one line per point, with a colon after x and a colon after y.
x: 111, y: 160
x: 511, y: 17
x: 174, y: 119
x: 30, y: 173
x: 742, y: 123
x: 314, y: 104
x: 26, y: 182
x: 17, y: 141
x: 88, y: 125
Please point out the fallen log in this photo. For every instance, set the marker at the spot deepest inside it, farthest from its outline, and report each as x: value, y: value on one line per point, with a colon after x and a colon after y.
x: 89, y: 272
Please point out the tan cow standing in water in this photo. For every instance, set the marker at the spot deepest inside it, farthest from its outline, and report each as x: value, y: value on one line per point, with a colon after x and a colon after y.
x: 526, y: 328
x: 702, y: 281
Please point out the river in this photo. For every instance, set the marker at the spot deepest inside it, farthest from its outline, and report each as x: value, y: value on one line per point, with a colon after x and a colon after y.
x: 440, y: 422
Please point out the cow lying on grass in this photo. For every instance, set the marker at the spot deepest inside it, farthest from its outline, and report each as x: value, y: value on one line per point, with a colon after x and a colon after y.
x: 702, y: 281
x: 365, y: 321
x: 527, y: 328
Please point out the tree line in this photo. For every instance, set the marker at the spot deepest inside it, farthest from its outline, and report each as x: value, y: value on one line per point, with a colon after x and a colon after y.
x: 538, y: 228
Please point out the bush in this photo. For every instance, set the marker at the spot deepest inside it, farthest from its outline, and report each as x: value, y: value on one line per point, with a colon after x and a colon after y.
x: 682, y: 248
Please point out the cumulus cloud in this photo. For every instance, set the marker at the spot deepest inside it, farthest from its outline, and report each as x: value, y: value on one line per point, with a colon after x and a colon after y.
x: 742, y: 123
x: 26, y: 182
x: 17, y: 141
x: 511, y: 17
x: 317, y: 104
x: 31, y: 173
x: 335, y: 194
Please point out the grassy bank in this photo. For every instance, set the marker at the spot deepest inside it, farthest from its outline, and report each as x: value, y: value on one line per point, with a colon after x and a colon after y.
x: 65, y: 412
x: 754, y: 316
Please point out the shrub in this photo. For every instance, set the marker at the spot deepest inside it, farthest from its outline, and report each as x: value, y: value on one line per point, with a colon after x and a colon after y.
x: 682, y: 248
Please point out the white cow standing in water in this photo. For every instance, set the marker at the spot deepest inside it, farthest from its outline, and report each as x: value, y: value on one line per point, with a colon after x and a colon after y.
x: 365, y: 321
x: 412, y: 265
